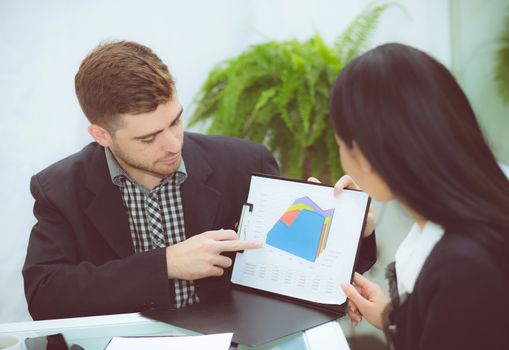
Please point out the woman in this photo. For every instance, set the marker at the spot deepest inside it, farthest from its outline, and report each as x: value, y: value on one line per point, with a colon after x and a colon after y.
x: 406, y: 131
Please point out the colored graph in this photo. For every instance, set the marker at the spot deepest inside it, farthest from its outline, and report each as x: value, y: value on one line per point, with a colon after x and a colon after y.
x: 302, y: 230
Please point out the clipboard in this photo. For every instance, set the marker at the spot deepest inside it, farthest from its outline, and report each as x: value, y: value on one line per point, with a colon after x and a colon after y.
x: 257, y: 316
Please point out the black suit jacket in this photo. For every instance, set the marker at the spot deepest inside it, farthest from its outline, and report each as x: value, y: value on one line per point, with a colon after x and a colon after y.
x: 460, y: 301
x: 80, y: 259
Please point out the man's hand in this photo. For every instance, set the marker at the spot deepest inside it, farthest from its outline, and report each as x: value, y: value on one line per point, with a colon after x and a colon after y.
x: 367, y: 298
x: 200, y: 256
x: 346, y: 182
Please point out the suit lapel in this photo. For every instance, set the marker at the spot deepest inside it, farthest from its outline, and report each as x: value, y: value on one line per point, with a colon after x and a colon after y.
x: 106, y: 210
x: 201, y: 202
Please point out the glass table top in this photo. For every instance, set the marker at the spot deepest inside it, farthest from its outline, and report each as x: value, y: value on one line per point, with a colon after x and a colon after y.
x: 94, y: 333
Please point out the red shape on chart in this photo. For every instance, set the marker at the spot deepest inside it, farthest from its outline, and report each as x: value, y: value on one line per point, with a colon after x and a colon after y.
x: 289, y: 217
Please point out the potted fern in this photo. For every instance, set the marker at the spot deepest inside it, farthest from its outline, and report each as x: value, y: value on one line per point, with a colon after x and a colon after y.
x: 277, y: 93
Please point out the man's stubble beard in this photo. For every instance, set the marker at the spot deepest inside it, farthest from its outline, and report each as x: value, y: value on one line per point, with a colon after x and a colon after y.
x: 124, y: 159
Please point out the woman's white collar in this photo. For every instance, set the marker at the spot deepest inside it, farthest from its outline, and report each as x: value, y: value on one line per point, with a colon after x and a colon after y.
x: 413, y: 252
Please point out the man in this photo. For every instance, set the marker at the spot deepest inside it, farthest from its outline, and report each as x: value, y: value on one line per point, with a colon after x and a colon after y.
x: 143, y: 216
x: 133, y: 220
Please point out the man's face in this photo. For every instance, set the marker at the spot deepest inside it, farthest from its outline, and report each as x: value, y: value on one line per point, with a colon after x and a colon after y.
x: 150, y: 144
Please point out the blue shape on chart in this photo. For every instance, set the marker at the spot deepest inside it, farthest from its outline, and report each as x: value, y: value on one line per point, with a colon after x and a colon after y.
x: 301, y: 238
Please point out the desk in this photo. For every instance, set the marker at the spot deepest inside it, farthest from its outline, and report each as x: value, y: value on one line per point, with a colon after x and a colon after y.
x: 93, y: 333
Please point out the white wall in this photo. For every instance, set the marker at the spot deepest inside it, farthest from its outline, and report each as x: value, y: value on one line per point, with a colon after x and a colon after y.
x: 42, y: 44
x: 476, y: 37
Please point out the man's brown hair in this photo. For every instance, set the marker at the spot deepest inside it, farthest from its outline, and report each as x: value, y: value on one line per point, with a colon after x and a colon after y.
x: 121, y: 77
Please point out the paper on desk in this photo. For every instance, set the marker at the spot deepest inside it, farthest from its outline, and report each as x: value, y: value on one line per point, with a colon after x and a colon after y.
x: 212, y: 342
x: 327, y: 336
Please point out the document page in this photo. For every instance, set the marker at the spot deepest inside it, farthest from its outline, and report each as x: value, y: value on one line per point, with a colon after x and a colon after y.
x: 310, y: 239
x: 212, y: 342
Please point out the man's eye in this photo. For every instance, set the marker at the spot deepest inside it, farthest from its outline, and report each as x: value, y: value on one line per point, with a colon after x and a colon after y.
x: 176, y: 121
x: 148, y: 140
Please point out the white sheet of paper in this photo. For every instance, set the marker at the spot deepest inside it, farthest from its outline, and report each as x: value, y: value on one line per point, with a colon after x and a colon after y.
x: 276, y: 270
x: 212, y: 342
x: 327, y: 336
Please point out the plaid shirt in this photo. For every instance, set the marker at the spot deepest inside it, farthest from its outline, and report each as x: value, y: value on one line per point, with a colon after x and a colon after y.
x: 156, y: 217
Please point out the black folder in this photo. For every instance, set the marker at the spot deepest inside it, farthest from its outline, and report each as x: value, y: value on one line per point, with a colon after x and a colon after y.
x: 253, y: 315
x: 254, y: 318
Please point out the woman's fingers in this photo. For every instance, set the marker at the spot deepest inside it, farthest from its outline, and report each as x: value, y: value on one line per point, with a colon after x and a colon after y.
x: 365, y: 285
x: 354, y: 313
x: 355, y: 297
x: 370, y: 302
x: 314, y: 179
x: 344, y: 182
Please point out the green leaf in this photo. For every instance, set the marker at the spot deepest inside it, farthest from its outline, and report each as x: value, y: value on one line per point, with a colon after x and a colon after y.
x: 502, y: 64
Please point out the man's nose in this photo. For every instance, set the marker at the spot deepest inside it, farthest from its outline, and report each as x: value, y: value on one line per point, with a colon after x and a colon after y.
x: 171, y: 142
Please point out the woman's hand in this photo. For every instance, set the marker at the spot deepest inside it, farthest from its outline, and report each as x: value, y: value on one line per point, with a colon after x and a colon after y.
x: 367, y: 298
x: 353, y: 312
x: 346, y: 182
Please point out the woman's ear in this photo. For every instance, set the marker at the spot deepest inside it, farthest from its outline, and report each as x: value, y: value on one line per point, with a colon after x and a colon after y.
x: 363, y: 162
x: 100, y: 135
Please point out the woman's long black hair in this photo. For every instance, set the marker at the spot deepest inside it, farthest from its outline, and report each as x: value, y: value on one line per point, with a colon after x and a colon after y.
x: 416, y: 127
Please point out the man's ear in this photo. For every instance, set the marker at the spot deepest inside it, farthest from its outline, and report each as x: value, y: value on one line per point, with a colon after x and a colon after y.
x: 100, y: 135
x: 363, y: 162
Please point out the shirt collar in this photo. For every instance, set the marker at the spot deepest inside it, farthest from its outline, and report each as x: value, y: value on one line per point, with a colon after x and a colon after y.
x: 413, y: 252
x: 117, y: 174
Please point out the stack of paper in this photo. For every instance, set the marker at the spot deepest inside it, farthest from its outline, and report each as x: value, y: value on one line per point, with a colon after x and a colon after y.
x: 211, y: 342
